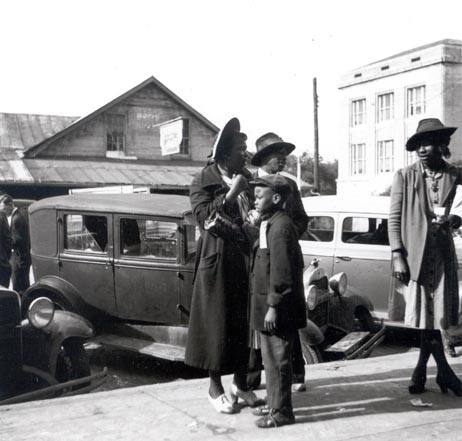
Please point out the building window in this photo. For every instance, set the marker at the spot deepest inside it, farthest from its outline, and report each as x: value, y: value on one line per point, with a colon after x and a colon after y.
x: 415, y: 101
x: 385, y: 156
x: 411, y: 157
x: 357, y: 159
x: 115, y: 133
x: 358, y: 112
x: 385, y: 107
x: 184, y: 146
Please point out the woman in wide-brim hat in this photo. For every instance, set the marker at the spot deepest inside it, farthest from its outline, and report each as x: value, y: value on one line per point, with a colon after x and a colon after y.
x: 218, y: 323
x: 423, y: 255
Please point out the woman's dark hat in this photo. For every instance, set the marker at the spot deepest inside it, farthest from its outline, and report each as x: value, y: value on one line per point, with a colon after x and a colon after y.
x: 428, y: 127
x: 224, y: 139
x: 267, y: 144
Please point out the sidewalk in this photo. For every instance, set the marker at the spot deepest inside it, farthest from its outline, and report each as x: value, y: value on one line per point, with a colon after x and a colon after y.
x: 354, y: 400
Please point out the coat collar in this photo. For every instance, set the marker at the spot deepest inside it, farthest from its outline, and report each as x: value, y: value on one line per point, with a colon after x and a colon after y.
x: 211, y: 177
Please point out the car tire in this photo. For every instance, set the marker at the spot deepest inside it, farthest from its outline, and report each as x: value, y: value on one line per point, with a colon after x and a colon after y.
x: 73, y: 363
x: 311, y: 354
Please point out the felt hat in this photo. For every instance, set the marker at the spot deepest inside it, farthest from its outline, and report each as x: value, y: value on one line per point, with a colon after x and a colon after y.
x: 224, y: 139
x: 267, y: 144
x: 428, y: 128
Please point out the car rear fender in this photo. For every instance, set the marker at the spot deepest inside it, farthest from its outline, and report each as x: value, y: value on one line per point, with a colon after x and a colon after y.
x: 61, y: 292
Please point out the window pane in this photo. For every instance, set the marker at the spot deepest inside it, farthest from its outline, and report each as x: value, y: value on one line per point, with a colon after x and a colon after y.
x: 320, y: 229
x: 192, y: 236
x: 85, y: 233
x: 365, y: 230
x: 148, y: 238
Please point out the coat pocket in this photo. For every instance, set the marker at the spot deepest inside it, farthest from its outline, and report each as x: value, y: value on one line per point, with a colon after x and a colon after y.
x: 208, y: 261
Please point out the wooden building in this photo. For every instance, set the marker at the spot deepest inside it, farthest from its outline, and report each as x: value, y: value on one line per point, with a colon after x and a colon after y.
x: 118, y: 144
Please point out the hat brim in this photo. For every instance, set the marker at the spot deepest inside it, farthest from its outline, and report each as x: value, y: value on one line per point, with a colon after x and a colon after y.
x: 413, y: 142
x: 258, y: 158
x: 224, y: 137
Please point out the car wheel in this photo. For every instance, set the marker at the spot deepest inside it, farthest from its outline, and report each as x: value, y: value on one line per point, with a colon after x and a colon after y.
x: 73, y: 363
x: 311, y: 354
x: 365, y: 320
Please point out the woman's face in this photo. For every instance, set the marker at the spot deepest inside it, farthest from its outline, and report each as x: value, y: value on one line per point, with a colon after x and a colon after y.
x: 237, y: 156
x: 428, y: 152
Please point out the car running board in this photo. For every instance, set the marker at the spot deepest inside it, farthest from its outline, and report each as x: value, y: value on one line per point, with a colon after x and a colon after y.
x: 146, y: 347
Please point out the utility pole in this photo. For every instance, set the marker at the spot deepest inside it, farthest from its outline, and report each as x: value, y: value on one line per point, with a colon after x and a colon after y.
x: 316, y: 138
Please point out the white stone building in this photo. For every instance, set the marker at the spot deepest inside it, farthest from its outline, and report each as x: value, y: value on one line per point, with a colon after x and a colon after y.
x: 381, y: 104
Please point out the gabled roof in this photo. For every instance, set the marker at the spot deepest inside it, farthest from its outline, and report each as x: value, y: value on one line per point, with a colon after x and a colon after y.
x: 19, y: 131
x: 32, y: 151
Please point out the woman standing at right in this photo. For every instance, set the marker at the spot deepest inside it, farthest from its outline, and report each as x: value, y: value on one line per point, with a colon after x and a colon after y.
x: 423, y: 255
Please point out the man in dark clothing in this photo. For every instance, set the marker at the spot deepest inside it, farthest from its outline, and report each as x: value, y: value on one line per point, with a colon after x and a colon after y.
x: 20, y: 258
x: 277, y: 302
x: 271, y: 158
x: 6, y: 208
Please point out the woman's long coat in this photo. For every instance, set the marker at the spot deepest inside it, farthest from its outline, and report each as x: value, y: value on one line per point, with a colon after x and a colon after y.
x: 218, y: 323
x: 408, y: 224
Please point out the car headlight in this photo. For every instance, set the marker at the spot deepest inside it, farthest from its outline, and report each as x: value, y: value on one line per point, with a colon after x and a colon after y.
x: 311, y: 294
x: 41, y: 312
x: 338, y: 283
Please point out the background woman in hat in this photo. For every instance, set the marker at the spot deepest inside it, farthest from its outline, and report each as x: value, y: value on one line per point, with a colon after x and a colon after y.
x: 423, y: 255
x: 218, y: 324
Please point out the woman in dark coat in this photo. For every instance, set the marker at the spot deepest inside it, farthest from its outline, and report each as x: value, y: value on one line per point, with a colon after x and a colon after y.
x: 218, y: 324
x: 423, y: 255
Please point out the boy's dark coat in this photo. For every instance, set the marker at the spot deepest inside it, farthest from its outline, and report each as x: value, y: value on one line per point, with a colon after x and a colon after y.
x: 277, y: 276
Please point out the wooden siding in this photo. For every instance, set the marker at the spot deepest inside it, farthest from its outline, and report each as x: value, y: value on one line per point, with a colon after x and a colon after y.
x: 145, y: 110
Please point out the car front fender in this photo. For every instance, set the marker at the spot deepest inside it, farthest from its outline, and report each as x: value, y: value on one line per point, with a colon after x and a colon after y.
x: 311, y: 334
x: 64, y: 325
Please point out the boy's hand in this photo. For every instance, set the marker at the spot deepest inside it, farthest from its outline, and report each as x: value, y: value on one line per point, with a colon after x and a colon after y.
x: 270, y: 319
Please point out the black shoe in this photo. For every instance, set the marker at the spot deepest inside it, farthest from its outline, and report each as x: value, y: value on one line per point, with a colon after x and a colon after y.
x: 449, y: 381
x: 274, y: 419
x: 417, y: 383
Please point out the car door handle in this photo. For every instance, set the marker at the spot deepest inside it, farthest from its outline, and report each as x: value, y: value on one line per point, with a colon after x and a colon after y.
x: 346, y: 258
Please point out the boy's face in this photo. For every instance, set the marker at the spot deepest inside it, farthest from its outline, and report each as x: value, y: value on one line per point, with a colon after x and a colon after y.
x: 265, y: 199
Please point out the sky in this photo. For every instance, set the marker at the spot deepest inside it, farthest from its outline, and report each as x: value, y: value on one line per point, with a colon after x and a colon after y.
x: 254, y: 59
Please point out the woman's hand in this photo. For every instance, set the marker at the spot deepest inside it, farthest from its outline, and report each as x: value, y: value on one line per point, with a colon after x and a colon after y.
x: 238, y: 185
x: 270, y: 319
x: 400, y: 267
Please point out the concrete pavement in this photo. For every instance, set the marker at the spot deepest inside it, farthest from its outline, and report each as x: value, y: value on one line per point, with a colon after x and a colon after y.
x: 354, y: 400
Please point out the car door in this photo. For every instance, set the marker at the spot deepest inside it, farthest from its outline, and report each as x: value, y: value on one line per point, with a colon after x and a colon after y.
x: 318, y: 240
x: 363, y: 253
x: 86, y: 257
x: 146, y: 268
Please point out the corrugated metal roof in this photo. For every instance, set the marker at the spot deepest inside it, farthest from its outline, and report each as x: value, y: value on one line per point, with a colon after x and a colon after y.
x: 19, y: 131
x: 13, y: 168
x: 93, y: 173
x: 167, y: 205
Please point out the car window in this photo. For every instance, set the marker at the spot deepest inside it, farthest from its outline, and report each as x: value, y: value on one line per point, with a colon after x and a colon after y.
x: 148, y: 238
x: 319, y: 229
x: 365, y: 230
x: 85, y: 233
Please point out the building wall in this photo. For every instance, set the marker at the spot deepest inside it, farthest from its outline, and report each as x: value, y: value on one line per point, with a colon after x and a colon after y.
x: 443, y: 83
x: 144, y: 112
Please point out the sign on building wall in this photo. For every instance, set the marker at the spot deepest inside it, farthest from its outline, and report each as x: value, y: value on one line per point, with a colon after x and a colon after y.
x: 171, y: 134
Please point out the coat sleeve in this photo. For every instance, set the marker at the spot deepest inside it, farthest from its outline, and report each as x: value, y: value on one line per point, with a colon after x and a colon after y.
x: 19, y: 232
x: 203, y: 202
x: 5, y: 235
x: 281, y: 281
x: 299, y: 216
x: 396, y: 207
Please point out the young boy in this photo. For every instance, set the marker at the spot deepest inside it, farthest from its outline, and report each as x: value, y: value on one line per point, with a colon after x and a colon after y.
x: 277, y: 303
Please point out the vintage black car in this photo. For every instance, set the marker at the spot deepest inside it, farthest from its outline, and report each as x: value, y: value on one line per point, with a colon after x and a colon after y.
x: 126, y: 263
x: 41, y: 355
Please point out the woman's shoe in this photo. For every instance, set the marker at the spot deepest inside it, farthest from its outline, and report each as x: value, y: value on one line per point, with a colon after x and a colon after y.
x: 221, y: 404
x: 248, y: 396
x: 417, y: 384
x: 449, y: 381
